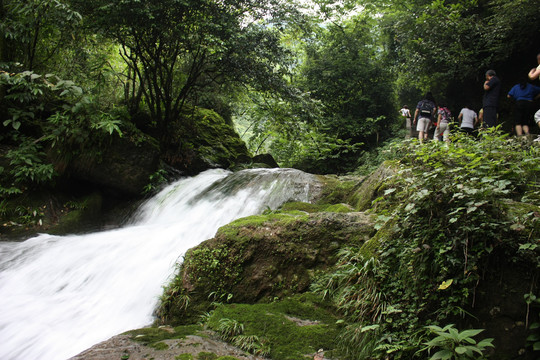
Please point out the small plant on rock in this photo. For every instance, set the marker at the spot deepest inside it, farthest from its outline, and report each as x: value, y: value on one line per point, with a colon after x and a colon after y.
x: 455, y: 345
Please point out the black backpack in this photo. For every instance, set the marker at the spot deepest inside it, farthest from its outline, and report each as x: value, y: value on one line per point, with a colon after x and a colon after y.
x: 426, y: 108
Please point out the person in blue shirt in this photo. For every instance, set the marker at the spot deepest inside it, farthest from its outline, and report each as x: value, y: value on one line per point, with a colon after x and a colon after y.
x: 524, y: 94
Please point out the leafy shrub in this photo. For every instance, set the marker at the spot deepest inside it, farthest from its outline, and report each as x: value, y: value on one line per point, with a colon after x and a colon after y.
x: 446, y: 213
x: 456, y: 345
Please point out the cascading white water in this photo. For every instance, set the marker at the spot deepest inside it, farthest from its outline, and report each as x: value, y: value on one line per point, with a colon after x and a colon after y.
x: 61, y: 295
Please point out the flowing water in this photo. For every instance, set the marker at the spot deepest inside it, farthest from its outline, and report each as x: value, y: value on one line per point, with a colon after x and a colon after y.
x: 59, y: 295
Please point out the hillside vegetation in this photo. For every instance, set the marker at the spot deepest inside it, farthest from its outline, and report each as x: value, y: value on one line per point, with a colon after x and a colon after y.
x: 454, y: 246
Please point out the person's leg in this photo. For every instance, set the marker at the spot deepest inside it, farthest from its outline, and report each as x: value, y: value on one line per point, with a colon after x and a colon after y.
x: 525, y: 129
x: 446, y: 133
x: 490, y: 116
x: 519, y: 130
x: 537, y: 121
x: 437, y: 133
x: 421, y: 128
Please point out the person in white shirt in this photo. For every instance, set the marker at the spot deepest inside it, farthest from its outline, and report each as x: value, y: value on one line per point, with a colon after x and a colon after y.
x: 406, y: 113
x: 468, y: 120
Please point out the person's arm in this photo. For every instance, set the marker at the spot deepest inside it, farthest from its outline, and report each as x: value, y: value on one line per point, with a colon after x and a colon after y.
x: 534, y: 73
x: 439, y: 121
x: 460, y: 117
x: 475, y: 120
x: 415, y: 116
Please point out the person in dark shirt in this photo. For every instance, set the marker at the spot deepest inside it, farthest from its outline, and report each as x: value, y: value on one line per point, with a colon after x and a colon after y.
x: 425, y: 112
x: 492, y: 88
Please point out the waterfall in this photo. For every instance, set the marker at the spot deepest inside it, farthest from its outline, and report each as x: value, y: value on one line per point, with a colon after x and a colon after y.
x: 59, y: 295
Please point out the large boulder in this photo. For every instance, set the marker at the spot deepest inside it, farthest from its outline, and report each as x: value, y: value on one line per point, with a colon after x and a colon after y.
x: 124, y: 166
x: 271, y: 255
x: 200, y: 140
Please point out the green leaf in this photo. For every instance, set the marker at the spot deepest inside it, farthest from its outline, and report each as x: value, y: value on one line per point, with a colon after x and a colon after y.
x: 442, y: 355
x: 470, y: 333
x: 369, y: 328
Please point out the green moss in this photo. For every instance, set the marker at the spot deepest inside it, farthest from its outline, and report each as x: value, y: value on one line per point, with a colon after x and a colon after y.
x: 159, y: 346
x: 301, y: 206
x: 336, y: 191
x: 215, y: 139
x: 292, y: 327
x: 339, y: 208
x: 385, y: 233
x: 234, y: 229
x: 184, y: 357
x: 206, y: 356
x: 227, y: 358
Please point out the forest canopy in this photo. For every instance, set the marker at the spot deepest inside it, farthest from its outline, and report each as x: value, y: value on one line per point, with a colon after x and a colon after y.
x: 315, y: 83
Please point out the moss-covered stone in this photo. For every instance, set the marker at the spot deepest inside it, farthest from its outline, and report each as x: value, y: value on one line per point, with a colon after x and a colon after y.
x: 357, y: 191
x: 339, y: 208
x: 53, y: 212
x: 124, y: 166
x: 302, y: 206
x: 372, y: 186
x: 81, y: 212
x: 338, y: 190
x: 266, y: 256
x: 293, y: 328
x: 201, y: 139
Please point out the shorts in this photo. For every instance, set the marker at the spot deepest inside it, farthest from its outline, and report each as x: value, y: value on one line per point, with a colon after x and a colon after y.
x: 408, y: 123
x: 423, y: 124
x: 537, y: 117
x: 523, y: 112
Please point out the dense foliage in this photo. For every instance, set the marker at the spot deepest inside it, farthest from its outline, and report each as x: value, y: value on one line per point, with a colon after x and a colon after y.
x: 448, y: 214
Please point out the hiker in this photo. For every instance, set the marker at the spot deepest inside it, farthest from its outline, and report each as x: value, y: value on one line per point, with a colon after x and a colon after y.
x: 468, y: 120
x: 406, y: 113
x: 492, y: 88
x: 425, y: 112
x: 524, y: 94
x: 534, y: 74
x: 443, y: 124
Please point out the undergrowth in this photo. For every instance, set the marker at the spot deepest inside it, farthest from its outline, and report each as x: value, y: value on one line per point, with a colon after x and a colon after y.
x: 448, y: 205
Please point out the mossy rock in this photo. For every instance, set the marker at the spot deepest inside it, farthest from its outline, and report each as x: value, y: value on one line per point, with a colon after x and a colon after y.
x: 314, y: 208
x: 86, y: 210
x: 338, y: 190
x: 357, y: 191
x: 372, y: 186
x: 124, y: 166
x: 267, y: 256
x: 200, y: 140
x: 51, y: 211
x: 290, y: 329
